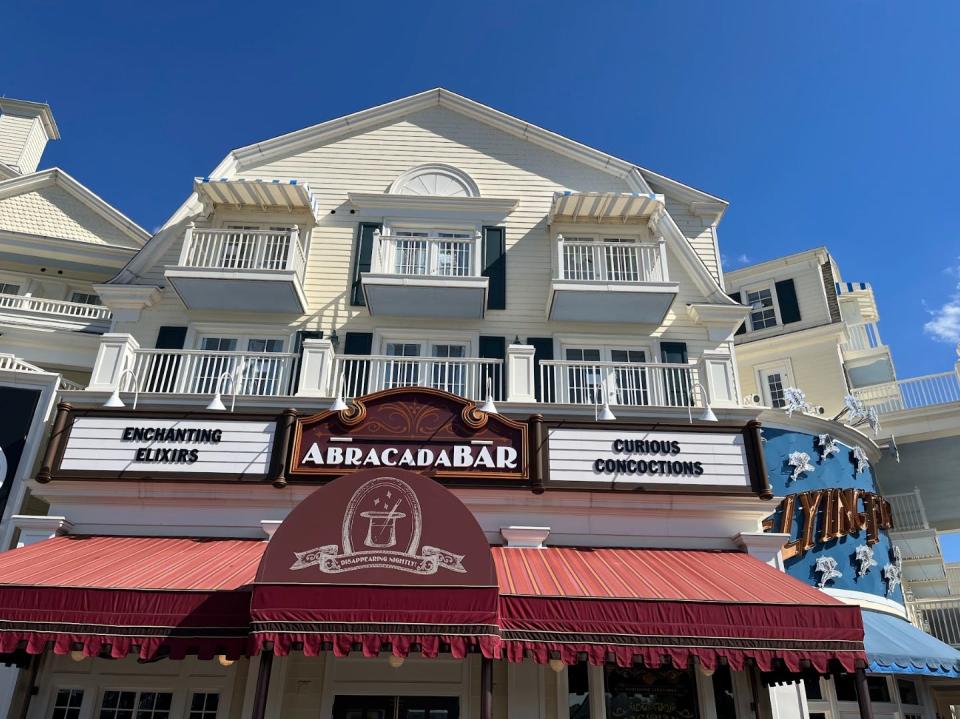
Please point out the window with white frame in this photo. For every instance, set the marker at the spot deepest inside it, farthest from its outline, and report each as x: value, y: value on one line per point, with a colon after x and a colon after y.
x: 203, y: 705
x: 132, y: 704
x: 591, y: 368
x: 85, y: 298
x: 444, y: 253
x: 431, y: 364
x: 246, y: 360
x: 763, y: 311
x: 67, y: 704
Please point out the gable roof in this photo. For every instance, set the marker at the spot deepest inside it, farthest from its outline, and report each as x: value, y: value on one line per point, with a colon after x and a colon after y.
x: 331, y: 130
x: 637, y: 178
x: 23, y: 184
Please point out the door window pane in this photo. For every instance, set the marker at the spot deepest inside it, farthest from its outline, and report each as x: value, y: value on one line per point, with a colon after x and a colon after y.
x: 578, y: 259
x: 630, y: 382
x: 210, y: 369
x: 66, y: 705
x: 620, y: 260
x: 7, y: 288
x: 584, y: 381
x: 410, y: 253
x: 879, y: 689
x: 650, y: 693
x: 450, y: 376
x: 402, y: 372
x: 117, y: 704
x: 723, y: 693
x: 845, y: 687
x: 85, y: 298
x: 908, y: 691
x: 775, y: 387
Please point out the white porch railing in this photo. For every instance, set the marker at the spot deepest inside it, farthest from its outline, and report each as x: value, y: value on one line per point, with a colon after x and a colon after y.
x: 908, y: 511
x: 939, y: 617
x: 258, y: 374
x: 463, y: 376
x: 863, y: 336
x: 243, y: 250
x: 450, y: 256
x: 611, y: 261
x: 912, y: 393
x: 630, y: 384
x: 58, y: 308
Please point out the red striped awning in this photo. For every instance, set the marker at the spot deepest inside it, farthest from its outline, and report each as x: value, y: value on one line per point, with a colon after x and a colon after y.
x: 183, y: 596
x: 128, y: 594
x: 647, y: 604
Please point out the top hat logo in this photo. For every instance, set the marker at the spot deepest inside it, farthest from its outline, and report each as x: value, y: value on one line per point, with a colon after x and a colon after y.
x: 381, y: 529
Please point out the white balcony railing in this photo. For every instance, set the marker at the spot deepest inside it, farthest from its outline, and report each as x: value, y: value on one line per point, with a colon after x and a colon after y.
x: 243, y: 250
x: 463, y: 376
x: 257, y: 374
x: 939, y: 617
x: 445, y: 255
x: 908, y: 511
x: 912, y: 393
x: 54, y: 308
x: 627, y: 384
x: 590, y: 261
x: 863, y: 336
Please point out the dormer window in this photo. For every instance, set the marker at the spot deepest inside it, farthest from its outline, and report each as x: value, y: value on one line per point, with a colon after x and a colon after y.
x: 435, y: 180
x: 762, y: 311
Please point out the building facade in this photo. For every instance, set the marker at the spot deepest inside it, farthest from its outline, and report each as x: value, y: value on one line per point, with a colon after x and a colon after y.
x: 423, y: 412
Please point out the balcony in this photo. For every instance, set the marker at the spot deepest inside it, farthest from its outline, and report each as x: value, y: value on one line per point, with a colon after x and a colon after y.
x: 465, y: 377
x: 241, y: 270
x: 54, y: 314
x: 939, y: 617
x: 426, y: 276
x: 913, y: 393
x: 616, y: 281
x: 628, y: 384
x: 198, y: 372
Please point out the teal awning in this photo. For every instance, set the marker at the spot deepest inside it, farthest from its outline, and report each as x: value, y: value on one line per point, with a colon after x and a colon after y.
x: 894, y: 646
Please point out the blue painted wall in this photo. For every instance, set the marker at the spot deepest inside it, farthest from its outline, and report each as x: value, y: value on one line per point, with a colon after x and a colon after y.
x: 838, y: 470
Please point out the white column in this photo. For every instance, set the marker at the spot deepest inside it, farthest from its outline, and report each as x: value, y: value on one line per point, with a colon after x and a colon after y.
x: 520, y: 373
x: 764, y: 546
x: 316, y: 369
x: 115, y: 354
x: 718, y: 377
x: 35, y: 529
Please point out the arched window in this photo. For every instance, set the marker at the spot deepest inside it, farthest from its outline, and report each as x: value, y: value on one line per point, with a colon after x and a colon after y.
x: 436, y: 180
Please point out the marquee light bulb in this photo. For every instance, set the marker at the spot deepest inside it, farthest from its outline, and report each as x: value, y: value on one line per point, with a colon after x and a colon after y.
x: 77, y: 655
x: 395, y: 661
x: 224, y: 661
x: 557, y: 665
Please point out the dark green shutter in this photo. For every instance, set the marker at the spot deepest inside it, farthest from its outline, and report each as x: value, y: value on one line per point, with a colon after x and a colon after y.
x: 542, y: 350
x: 495, y: 266
x: 171, y: 338
x: 165, y: 369
x: 787, y: 298
x: 735, y: 296
x: 494, y: 348
x: 676, y: 383
x: 358, y: 343
x: 298, y: 351
x: 362, y: 254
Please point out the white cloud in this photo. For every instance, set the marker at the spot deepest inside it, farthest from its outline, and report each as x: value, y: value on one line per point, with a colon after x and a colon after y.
x: 944, y: 325
x: 729, y: 263
x: 743, y: 259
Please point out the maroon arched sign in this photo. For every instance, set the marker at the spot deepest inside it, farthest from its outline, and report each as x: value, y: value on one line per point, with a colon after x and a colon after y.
x: 380, y: 556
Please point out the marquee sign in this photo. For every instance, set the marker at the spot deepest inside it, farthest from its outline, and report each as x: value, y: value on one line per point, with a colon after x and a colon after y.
x: 383, y: 526
x: 429, y: 431
x: 694, y: 457
x: 193, y: 445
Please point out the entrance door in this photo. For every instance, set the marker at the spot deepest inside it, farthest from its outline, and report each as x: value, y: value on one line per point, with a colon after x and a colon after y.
x: 379, y: 707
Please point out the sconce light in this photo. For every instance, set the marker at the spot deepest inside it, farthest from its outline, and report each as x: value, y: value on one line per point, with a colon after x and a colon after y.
x: 114, y: 401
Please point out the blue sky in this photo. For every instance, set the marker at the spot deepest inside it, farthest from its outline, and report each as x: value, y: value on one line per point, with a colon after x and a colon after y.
x: 821, y: 122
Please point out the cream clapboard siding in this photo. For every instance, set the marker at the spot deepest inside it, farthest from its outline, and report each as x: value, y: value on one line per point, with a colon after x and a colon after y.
x: 807, y: 280
x: 699, y: 231
x: 816, y: 366
x: 52, y: 212
x: 14, y: 133
x: 33, y: 147
x: 369, y: 161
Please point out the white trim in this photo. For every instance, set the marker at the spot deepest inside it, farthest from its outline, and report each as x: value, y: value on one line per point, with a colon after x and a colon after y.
x: 455, y: 174
x: 868, y: 601
x: 784, y: 366
x: 422, y: 337
x: 196, y: 331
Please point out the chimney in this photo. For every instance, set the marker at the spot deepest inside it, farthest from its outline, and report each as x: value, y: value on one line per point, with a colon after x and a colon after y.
x: 25, y: 129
